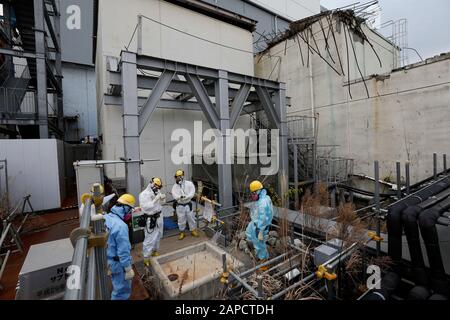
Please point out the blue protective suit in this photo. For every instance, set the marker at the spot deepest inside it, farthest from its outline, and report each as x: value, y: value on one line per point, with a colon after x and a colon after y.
x: 118, y: 252
x: 261, y: 215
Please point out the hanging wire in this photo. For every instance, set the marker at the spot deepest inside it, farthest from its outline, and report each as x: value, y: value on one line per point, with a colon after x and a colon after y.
x: 196, y: 37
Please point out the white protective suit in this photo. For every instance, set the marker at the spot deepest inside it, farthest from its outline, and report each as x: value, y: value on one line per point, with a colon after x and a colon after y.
x: 183, y: 194
x: 151, y: 204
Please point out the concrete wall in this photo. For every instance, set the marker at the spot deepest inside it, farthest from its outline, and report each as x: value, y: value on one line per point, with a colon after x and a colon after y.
x: 292, y: 9
x: 272, y: 16
x: 403, y: 120
x: 164, y: 43
x: 80, y: 97
x: 35, y: 167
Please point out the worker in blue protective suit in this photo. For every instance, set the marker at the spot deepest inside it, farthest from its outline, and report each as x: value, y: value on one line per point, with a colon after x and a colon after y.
x: 261, y: 214
x: 119, y: 248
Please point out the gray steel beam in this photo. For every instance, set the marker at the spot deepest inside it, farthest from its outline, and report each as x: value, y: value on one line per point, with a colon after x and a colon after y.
x: 177, y: 86
x: 20, y: 54
x: 52, y: 30
x: 131, y: 122
x: 174, y: 104
x: 58, y: 69
x: 154, y: 98
x: 157, y: 64
x: 267, y: 103
x: 238, y: 103
x: 203, y: 100
x: 283, y: 152
x: 224, y: 152
x: 41, y: 68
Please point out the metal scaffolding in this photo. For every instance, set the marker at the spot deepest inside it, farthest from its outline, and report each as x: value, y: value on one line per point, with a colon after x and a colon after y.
x: 38, y: 41
x: 221, y: 104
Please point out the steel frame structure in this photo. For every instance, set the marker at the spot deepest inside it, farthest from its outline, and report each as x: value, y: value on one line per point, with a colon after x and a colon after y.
x: 220, y: 104
x: 46, y: 26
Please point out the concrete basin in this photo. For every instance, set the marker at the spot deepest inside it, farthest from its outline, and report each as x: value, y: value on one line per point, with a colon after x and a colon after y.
x: 193, y: 272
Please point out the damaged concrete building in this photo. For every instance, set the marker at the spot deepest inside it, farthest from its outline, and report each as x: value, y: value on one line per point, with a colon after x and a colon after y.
x: 368, y: 108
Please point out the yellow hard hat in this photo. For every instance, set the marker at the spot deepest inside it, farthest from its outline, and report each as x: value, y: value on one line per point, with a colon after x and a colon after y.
x: 127, y: 199
x: 255, y: 186
x: 179, y: 173
x: 157, y: 182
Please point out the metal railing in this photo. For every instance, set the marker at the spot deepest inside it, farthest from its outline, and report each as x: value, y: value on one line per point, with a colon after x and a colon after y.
x: 13, y: 101
x: 334, y: 170
x: 87, y: 274
x: 301, y: 128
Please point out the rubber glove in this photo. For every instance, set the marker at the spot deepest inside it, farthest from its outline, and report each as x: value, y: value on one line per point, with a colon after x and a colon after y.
x: 129, y: 273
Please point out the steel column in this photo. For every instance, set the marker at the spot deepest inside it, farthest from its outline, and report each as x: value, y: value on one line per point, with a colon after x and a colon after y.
x: 283, y: 152
x: 399, y: 187
x: 408, y: 182
x: 377, y: 203
x: 41, y: 68
x: 58, y: 68
x: 444, y: 162
x: 296, y: 197
x: 435, y: 166
x: 131, y: 123
x: 224, y: 151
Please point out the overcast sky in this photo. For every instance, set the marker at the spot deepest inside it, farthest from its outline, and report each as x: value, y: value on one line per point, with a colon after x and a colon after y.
x: 428, y: 22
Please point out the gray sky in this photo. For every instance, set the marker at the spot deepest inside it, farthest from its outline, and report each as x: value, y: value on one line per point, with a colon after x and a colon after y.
x: 428, y: 22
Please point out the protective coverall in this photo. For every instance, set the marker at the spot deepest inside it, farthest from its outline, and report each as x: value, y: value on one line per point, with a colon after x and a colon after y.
x: 183, y: 194
x: 118, y: 252
x: 151, y: 205
x: 257, y: 231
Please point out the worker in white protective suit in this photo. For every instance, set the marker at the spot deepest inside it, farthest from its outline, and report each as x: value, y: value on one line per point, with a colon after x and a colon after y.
x: 182, y: 192
x: 151, y: 201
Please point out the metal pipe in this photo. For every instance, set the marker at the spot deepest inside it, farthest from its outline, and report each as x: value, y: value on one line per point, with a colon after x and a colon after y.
x: 79, y: 257
x: 91, y: 281
x: 244, y: 283
x: 5, y: 260
x: 101, y: 264
x: 408, y: 182
x: 102, y: 162
x: 399, y: 187
x: 295, y: 285
x: 377, y: 203
x: 5, y: 232
x: 139, y: 35
x: 301, y: 235
x: 244, y: 274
